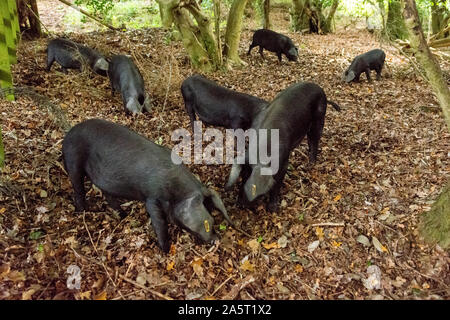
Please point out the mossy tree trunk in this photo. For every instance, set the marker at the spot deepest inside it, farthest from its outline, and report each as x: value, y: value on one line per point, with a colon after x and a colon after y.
x: 435, y: 225
x: 199, y: 39
x: 2, y: 151
x: 395, y: 25
x: 299, y: 19
x: 233, y: 33
x: 309, y: 15
x: 217, y: 17
x: 266, y: 13
x: 439, y: 17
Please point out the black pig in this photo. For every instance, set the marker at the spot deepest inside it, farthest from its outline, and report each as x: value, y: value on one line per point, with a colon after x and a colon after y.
x: 125, y: 77
x: 219, y: 106
x: 372, y: 60
x: 297, y: 111
x: 71, y: 55
x: 124, y: 164
x: 274, y: 42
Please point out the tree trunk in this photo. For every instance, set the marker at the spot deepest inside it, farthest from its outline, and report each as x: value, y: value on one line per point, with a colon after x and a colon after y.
x: 29, y: 18
x: 2, y: 151
x: 439, y: 18
x: 435, y: 226
x: 382, y: 10
x: 266, y: 18
x: 217, y: 15
x: 309, y: 15
x: 395, y: 25
x: 233, y: 33
x: 198, y: 38
x: 299, y: 18
x: 328, y: 26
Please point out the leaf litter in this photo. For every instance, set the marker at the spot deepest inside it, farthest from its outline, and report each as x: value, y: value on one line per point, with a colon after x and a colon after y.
x: 384, y: 150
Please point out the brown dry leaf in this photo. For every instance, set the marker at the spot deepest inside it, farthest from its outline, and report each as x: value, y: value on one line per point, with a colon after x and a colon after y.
x: 298, y: 268
x: 86, y: 295
x: 273, y: 245
x: 197, y: 266
x: 254, y: 245
x: 27, y: 295
x: 4, y: 270
x: 336, y: 244
x: 377, y: 244
x: 337, y: 198
x: 16, y: 276
x: 173, y: 249
x: 319, y: 233
x: 2, y: 210
x: 170, y: 265
x: 247, y: 266
x: 101, y: 296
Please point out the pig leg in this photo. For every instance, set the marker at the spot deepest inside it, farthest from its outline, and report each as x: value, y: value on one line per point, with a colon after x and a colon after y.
x: 367, y: 71
x: 313, y: 135
x: 250, y: 48
x: 191, y: 112
x: 77, y: 178
x: 261, y: 51
x: 274, y: 193
x: 159, y: 224
x: 279, y: 56
x: 114, y: 203
x: 50, y: 60
x: 378, y: 70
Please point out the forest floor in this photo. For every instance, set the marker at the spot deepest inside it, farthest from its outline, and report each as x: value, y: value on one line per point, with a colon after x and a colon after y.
x: 384, y: 159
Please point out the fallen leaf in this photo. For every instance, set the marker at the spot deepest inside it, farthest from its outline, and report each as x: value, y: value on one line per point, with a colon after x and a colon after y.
x: 363, y: 240
x: 101, y: 296
x: 254, y: 245
x: 313, y: 246
x: 282, y: 242
x: 377, y: 244
x: 337, y: 198
x: 319, y: 233
x: 247, y: 266
x: 272, y: 245
x: 85, y: 295
x: 170, y: 265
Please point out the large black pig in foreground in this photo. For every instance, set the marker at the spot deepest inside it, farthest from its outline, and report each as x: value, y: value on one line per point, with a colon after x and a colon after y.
x: 71, y: 55
x: 274, y: 42
x: 126, y: 165
x: 126, y: 78
x: 372, y: 60
x: 297, y: 111
x: 219, y: 106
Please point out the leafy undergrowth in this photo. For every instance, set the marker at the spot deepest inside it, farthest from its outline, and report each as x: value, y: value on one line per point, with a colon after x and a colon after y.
x: 383, y: 160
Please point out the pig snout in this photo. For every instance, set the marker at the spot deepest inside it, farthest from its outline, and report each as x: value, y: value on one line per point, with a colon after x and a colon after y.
x: 134, y: 106
x: 101, y: 64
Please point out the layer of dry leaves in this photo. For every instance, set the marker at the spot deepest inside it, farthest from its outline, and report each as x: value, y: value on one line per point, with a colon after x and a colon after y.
x: 383, y: 160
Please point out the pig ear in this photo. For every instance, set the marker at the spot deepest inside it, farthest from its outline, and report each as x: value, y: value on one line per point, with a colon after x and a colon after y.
x: 234, y: 175
x: 215, y: 198
x: 350, y: 76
